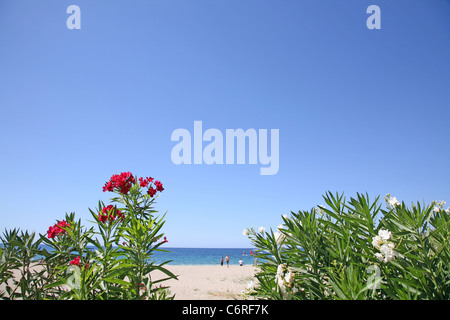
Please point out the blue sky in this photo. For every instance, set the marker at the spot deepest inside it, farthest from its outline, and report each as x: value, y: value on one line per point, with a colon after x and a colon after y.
x: 358, y: 110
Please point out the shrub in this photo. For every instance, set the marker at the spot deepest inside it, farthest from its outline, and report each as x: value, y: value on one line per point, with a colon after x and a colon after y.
x: 356, y: 250
x: 112, y: 261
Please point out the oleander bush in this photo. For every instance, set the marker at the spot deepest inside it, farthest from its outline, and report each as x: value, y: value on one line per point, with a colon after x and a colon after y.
x: 355, y: 250
x: 113, y: 259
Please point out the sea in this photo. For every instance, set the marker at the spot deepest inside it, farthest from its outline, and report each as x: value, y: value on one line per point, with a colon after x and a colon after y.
x: 205, y: 256
x: 202, y: 256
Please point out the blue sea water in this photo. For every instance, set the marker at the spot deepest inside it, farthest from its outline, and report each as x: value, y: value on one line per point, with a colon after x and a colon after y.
x: 205, y: 256
x: 201, y: 256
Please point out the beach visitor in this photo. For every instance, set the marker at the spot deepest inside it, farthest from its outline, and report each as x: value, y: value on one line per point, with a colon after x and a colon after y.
x: 221, y: 261
x: 241, y: 263
x: 228, y: 260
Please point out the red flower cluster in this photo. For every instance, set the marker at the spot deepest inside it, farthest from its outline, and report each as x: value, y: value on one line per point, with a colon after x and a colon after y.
x: 76, y: 261
x: 57, y: 229
x: 110, y: 213
x: 123, y: 182
x: 165, y: 239
x: 144, y: 182
x: 141, y: 286
x: 159, y: 186
x: 151, y: 191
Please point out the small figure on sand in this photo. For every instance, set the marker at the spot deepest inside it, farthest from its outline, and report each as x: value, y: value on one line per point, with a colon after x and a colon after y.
x: 241, y: 263
x: 221, y: 261
x: 228, y: 260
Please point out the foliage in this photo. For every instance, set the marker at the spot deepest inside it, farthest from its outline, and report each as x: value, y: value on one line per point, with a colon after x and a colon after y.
x: 356, y: 250
x: 113, y: 260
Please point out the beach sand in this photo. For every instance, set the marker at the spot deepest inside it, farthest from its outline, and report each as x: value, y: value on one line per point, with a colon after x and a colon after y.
x: 208, y: 282
x: 202, y: 282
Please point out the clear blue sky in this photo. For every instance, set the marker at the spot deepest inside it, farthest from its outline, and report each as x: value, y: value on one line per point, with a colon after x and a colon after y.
x: 358, y: 110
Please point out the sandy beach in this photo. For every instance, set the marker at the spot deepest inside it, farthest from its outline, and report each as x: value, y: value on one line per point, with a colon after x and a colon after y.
x: 209, y: 282
x: 203, y: 282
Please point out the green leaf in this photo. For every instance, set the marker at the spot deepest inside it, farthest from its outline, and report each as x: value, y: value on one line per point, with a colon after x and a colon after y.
x: 118, y: 281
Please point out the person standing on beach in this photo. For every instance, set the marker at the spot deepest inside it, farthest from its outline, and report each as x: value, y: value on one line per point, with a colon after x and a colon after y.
x: 228, y: 261
x: 221, y: 261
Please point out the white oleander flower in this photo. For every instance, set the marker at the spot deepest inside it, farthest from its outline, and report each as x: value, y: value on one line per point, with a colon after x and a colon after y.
x: 251, y: 286
x: 245, y: 232
x: 282, y: 287
x: 280, y: 282
x: 393, y: 202
x: 279, y: 237
x: 289, y: 278
x: 284, y: 279
x: 438, y: 205
x: 377, y: 241
x: 280, y: 269
x: 279, y: 278
x: 387, y: 251
x: 448, y: 210
x: 319, y: 209
x: 384, y: 234
x: 389, y: 257
x: 261, y: 229
x: 276, y: 235
x: 386, y: 247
